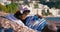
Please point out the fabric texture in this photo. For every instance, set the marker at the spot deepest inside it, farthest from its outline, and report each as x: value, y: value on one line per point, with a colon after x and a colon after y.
x: 35, y: 23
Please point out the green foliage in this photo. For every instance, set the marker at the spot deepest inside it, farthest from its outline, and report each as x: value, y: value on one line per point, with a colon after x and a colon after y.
x: 12, y: 8
x: 26, y: 2
x: 51, y: 3
x: 42, y: 1
x: 3, y: 8
x: 57, y: 4
x: 36, y: 5
x: 46, y: 13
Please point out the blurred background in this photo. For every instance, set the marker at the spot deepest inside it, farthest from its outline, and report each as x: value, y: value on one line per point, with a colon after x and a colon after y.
x: 42, y: 7
x: 50, y: 9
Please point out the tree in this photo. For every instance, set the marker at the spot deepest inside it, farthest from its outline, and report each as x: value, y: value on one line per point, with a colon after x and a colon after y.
x: 26, y: 2
x: 3, y: 8
x: 57, y: 4
x: 51, y: 3
x: 42, y: 1
x: 12, y: 8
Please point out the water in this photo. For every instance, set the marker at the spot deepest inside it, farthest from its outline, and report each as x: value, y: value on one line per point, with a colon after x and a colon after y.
x: 53, y: 18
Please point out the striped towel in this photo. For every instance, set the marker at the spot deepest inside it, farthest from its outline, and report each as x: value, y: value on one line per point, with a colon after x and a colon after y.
x: 36, y: 23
